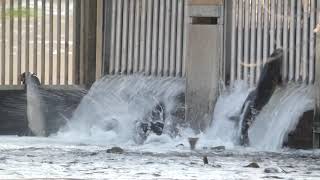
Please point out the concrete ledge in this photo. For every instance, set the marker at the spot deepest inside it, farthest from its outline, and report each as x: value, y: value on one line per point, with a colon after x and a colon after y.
x: 206, y: 11
x: 206, y: 2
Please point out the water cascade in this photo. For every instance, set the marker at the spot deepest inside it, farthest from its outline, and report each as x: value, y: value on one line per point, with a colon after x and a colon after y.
x: 110, y: 110
x: 271, y: 127
x: 36, y: 120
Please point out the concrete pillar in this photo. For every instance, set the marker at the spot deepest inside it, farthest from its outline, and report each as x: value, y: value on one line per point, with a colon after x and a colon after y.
x: 204, y: 57
x: 316, y: 125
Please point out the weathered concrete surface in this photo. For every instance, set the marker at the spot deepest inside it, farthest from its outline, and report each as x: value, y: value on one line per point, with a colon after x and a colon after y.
x: 202, y: 69
x: 13, y: 117
x: 206, y: 2
x: 316, y: 123
x: 57, y: 106
x: 301, y: 137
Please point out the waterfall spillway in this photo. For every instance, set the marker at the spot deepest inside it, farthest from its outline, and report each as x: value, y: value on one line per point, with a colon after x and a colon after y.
x: 114, y: 104
x: 109, y: 112
x: 36, y: 120
x: 273, y: 124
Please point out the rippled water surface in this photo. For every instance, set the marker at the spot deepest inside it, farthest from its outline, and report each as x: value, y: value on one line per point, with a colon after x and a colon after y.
x: 57, y: 158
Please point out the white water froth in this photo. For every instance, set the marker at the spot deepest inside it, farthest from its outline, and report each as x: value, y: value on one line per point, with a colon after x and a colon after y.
x: 109, y: 112
x: 223, y: 131
x: 280, y: 116
x: 107, y: 115
x: 271, y: 127
x: 36, y: 120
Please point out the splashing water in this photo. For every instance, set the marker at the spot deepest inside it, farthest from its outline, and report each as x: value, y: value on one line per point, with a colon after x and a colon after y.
x: 223, y: 131
x: 36, y: 120
x: 109, y: 112
x: 271, y: 127
x: 280, y: 116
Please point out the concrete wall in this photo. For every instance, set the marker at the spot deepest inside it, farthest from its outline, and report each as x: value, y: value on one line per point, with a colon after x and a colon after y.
x: 58, y: 105
x: 204, y: 58
x: 202, y: 74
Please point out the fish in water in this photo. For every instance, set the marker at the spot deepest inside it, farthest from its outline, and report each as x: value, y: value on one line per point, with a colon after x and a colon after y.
x: 270, y: 78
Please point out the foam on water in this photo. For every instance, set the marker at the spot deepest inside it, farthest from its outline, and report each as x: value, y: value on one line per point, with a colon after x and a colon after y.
x: 271, y: 127
x: 108, y: 113
x: 36, y: 121
x: 223, y: 131
x: 280, y: 116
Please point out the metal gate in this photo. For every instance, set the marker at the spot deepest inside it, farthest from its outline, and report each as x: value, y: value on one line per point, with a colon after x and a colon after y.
x: 146, y: 36
x: 37, y: 36
x: 261, y: 26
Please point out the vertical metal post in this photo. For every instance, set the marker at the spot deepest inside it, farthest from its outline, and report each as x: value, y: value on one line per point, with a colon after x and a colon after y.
x: 131, y: 36
x: 185, y: 36
x: 113, y: 37
x: 272, y: 26
x: 279, y: 16
x: 161, y: 38
x: 173, y: 37
x: 155, y: 35
x: 118, y: 37
x: 167, y: 38
x: 259, y: 40
x: 179, y: 38
x: 19, y: 41
x: 27, y: 42
x: 136, y: 43
x: 305, y: 43
x: 316, y: 123
x: 266, y: 22
x: 76, y: 41
x: 233, y: 69
x: 291, y: 41
x: 253, y: 43
x: 11, y: 43
x: 285, y: 41
x: 312, y: 40
x: 142, y: 54
x: 298, y: 42
x: 246, y: 41
x: 43, y: 42
x: 35, y: 36
x: 124, y: 49
x: 58, y: 42
x: 51, y: 42
x: 66, y: 44
x: 3, y: 42
x: 240, y: 41
x: 148, y: 37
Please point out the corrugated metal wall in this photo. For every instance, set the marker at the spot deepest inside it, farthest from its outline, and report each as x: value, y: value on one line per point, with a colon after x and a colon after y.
x: 261, y: 26
x: 36, y: 36
x: 148, y: 36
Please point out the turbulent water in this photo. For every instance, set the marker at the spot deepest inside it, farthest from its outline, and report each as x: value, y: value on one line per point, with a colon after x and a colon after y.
x: 273, y: 124
x: 114, y: 105
x: 36, y: 121
x: 107, y: 115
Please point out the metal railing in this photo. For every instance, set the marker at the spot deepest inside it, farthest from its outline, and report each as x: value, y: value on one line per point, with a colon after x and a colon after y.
x: 37, y: 36
x: 147, y: 36
x: 260, y: 26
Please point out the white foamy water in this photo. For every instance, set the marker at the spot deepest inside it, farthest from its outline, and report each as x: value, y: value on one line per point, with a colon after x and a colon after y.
x: 36, y: 120
x: 271, y: 127
x: 223, y: 131
x: 109, y: 112
x: 280, y: 116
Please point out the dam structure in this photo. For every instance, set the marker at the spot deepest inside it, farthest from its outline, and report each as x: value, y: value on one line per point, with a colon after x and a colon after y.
x: 87, y: 85
x: 212, y: 45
